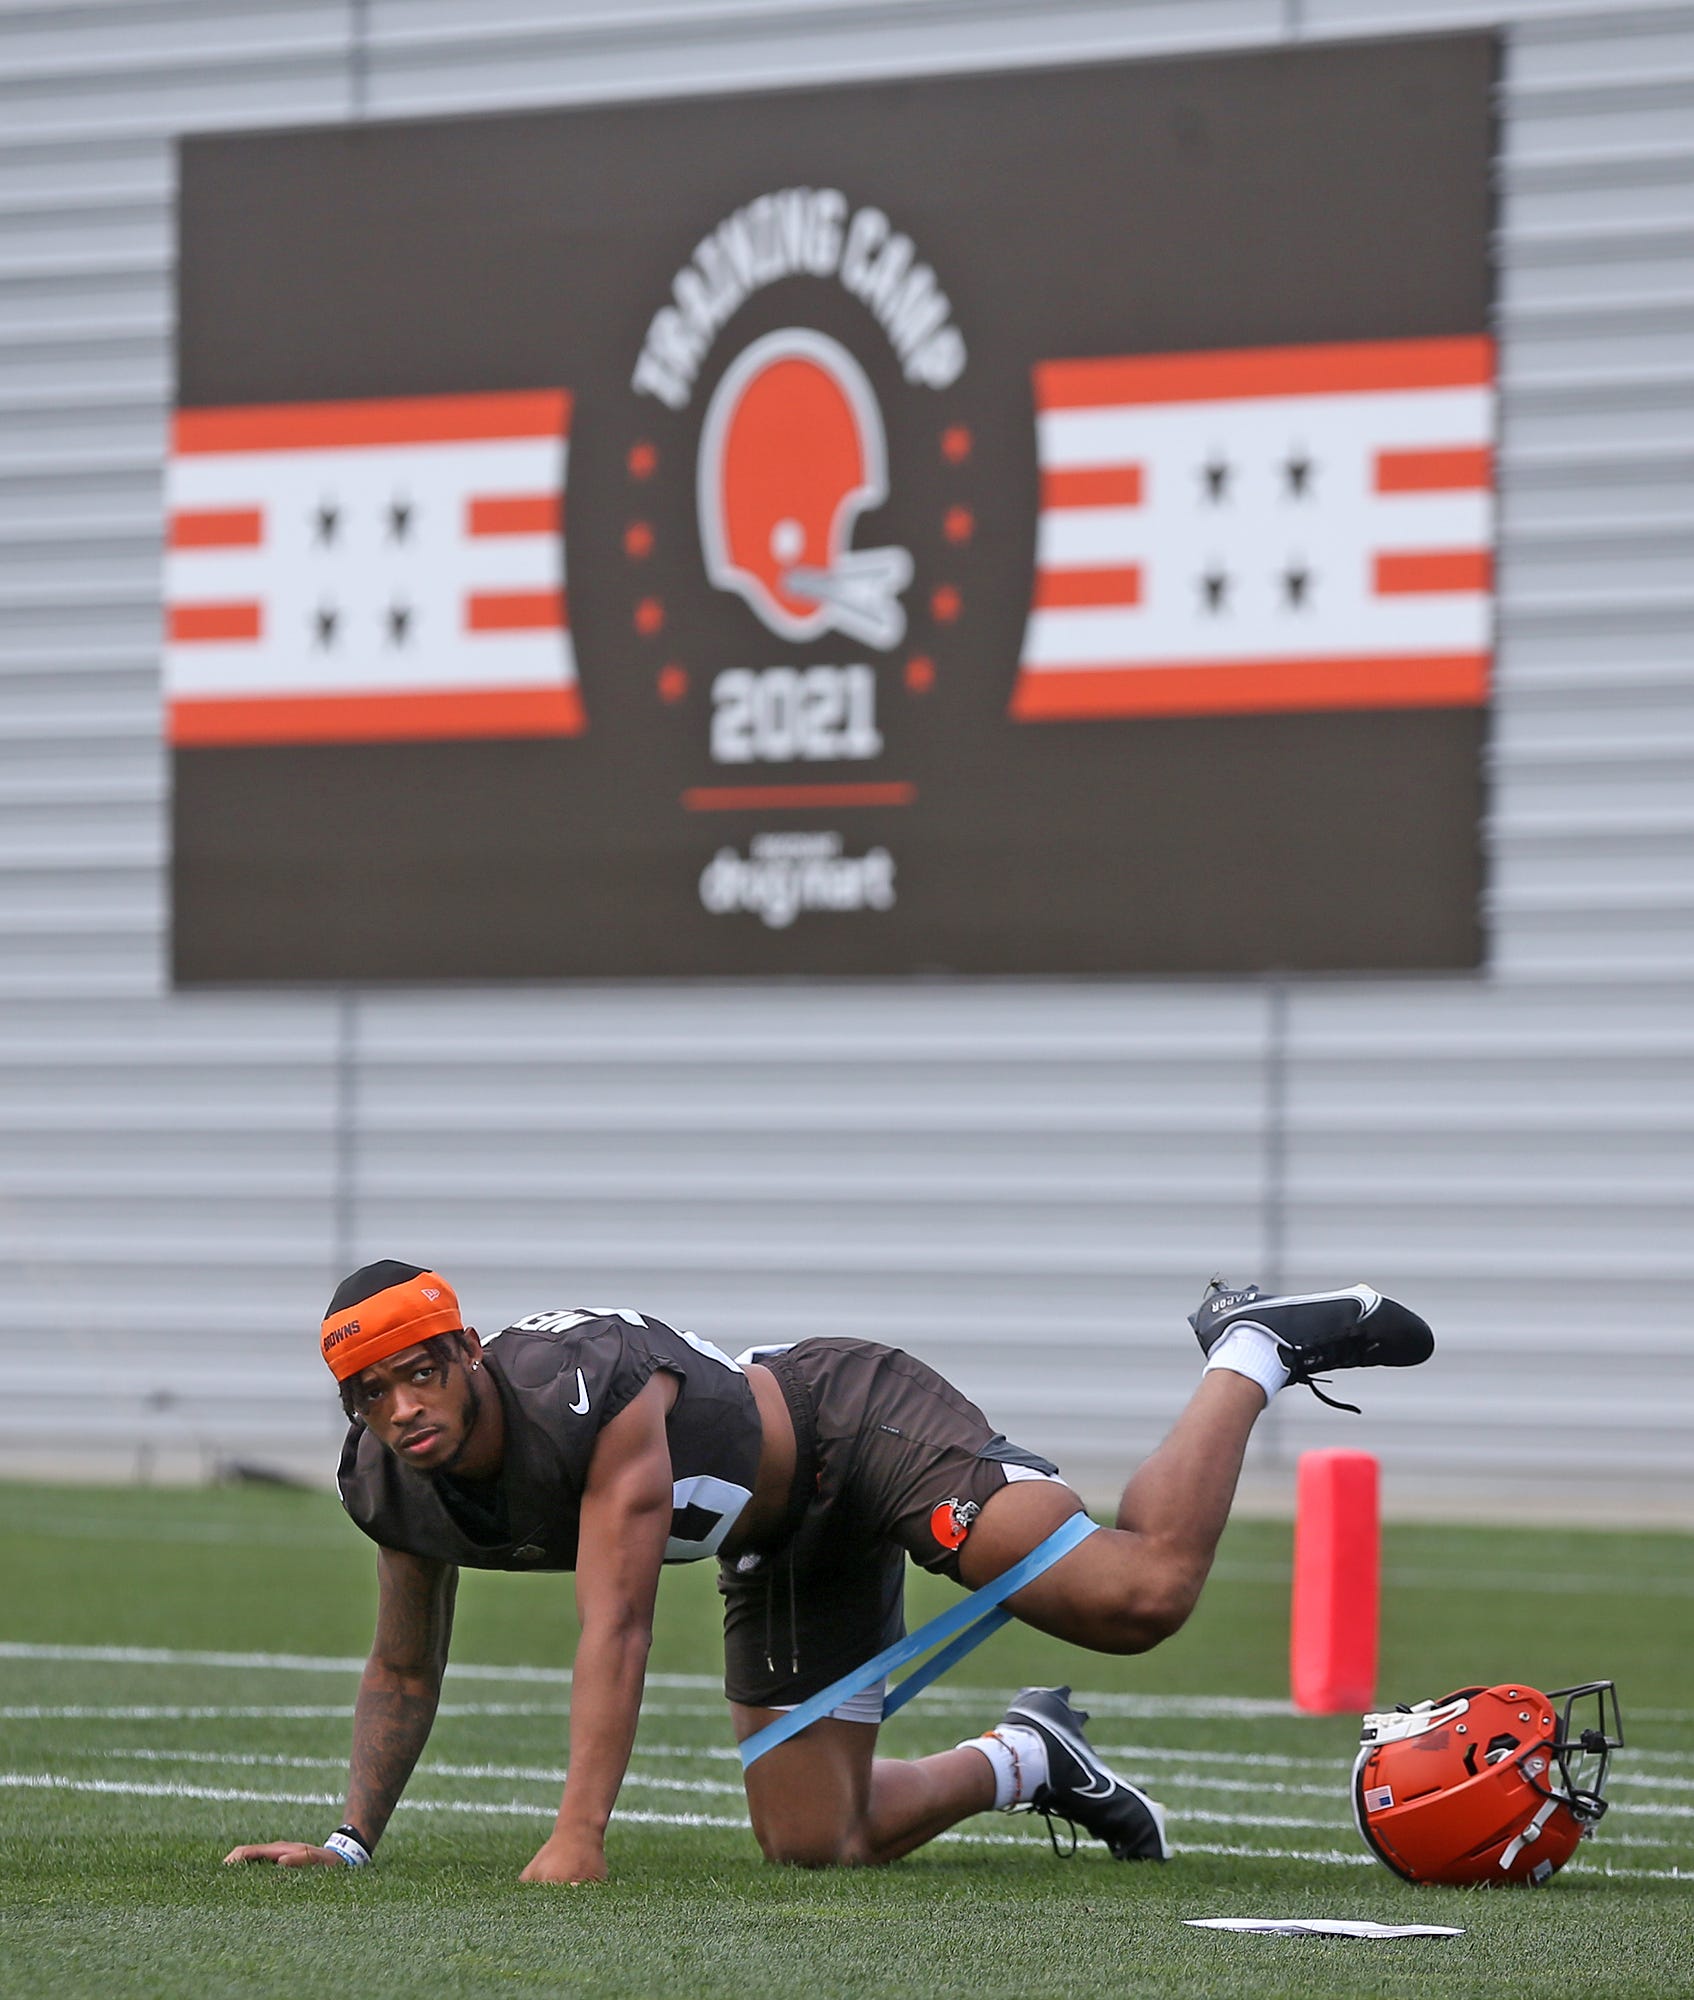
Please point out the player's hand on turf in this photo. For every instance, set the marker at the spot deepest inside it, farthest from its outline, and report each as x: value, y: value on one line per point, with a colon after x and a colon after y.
x: 568, y: 1858
x: 286, y: 1854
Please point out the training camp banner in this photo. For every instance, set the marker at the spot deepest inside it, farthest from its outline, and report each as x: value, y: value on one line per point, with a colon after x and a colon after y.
x: 1013, y: 523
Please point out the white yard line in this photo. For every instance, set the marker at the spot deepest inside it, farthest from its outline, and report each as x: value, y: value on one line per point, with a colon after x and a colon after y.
x: 161, y: 1656
x: 521, y: 1809
x: 1414, y: 1576
x: 298, y: 1663
x: 1180, y: 1707
x: 1403, y: 1576
x: 640, y: 1780
x: 554, y: 1775
x: 1129, y: 1755
x: 305, y: 1711
x: 1270, y: 1761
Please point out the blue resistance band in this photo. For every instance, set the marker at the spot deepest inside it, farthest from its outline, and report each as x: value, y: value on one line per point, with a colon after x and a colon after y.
x: 965, y: 1626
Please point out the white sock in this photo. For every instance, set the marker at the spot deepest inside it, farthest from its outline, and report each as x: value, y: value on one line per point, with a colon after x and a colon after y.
x: 1018, y: 1758
x: 1250, y: 1351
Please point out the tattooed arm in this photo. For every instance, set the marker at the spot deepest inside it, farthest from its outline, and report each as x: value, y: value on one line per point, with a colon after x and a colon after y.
x: 401, y: 1684
x: 396, y: 1705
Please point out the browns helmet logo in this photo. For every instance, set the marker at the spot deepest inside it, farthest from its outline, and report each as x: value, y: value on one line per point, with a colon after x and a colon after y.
x: 792, y: 452
x: 950, y: 1521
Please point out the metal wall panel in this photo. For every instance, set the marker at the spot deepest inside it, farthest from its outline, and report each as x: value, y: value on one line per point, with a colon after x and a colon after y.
x: 1026, y: 1181
x: 426, y: 56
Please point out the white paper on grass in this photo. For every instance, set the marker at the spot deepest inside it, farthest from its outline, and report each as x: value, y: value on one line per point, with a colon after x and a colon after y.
x: 1321, y: 1927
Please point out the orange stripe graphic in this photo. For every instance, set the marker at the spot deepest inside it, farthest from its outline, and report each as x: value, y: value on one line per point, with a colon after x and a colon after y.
x: 1062, y: 589
x: 1420, y: 570
x: 1453, y: 469
x: 193, y: 624
x: 514, y: 514
x: 378, y: 718
x: 1092, y: 486
x: 1254, y: 687
x: 384, y: 420
x: 216, y: 528
x: 1334, y: 368
x: 753, y: 798
x: 514, y: 610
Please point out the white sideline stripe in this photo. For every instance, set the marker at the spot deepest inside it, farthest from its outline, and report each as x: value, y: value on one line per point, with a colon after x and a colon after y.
x: 1395, y: 1576
x: 1123, y: 1753
x: 1549, y: 1585
x: 1181, y: 1706
x: 524, y: 1773
x: 1405, y: 1576
x: 46, y: 1781
x: 1270, y: 1760
x: 1203, y: 1781
x: 639, y: 1780
x: 518, y: 1809
x: 308, y: 1711
x: 553, y: 1775
x: 301, y: 1663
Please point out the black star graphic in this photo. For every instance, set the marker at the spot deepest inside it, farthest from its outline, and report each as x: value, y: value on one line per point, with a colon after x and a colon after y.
x: 1296, y: 582
x: 1299, y: 469
x: 325, y: 523
x: 399, y: 623
x: 1215, y: 583
x: 327, y: 619
x: 1216, y: 473
x: 399, y: 519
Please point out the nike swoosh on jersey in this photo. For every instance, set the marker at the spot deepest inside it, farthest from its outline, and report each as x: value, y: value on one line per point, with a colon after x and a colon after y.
x: 580, y: 1406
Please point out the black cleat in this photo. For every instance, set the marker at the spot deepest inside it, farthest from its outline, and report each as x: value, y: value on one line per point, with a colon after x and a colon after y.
x: 1319, y: 1331
x: 1080, y: 1788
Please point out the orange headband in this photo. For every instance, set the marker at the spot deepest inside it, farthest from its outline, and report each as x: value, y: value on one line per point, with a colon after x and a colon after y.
x: 404, y: 1314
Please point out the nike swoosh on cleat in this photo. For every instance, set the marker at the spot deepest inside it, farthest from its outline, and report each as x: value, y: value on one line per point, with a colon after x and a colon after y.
x: 1081, y: 1750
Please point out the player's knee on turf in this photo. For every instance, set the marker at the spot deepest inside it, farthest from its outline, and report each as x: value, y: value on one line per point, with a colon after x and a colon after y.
x: 789, y: 1848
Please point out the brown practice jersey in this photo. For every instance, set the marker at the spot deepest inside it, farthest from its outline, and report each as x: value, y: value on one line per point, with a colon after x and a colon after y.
x: 562, y: 1376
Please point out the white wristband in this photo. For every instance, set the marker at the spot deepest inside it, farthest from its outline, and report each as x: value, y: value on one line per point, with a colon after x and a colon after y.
x: 348, y: 1848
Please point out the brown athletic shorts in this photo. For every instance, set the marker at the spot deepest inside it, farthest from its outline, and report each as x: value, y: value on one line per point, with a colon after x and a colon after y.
x: 892, y: 1462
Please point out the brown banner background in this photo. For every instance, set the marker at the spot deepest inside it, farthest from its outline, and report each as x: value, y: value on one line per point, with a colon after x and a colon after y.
x: 1335, y: 193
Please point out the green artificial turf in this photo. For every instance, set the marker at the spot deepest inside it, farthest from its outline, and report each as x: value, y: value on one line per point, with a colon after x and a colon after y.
x: 115, y: 1888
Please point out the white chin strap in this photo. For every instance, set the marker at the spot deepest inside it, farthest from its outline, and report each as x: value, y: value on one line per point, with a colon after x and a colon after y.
x: 1514, y: 1848
x: 1395, y: 1725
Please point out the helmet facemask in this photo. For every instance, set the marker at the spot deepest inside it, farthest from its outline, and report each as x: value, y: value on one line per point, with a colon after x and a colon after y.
x: 1584, y: 1755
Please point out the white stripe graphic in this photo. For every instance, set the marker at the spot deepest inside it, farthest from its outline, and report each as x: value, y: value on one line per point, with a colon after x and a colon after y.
x: 364, y: 570
x: 1250, y: 533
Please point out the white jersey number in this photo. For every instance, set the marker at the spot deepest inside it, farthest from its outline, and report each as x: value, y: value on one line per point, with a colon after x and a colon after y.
x: 705, y: 1509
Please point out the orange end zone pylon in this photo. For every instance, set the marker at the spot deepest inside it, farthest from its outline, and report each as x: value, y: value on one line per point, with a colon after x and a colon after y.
x: 1337, y: 1582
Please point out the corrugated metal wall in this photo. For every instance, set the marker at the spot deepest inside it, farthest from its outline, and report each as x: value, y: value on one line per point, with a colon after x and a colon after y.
x: 1028, y: 1182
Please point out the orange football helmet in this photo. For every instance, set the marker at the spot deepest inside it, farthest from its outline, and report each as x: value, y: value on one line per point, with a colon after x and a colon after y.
x: 1488, y: 1785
